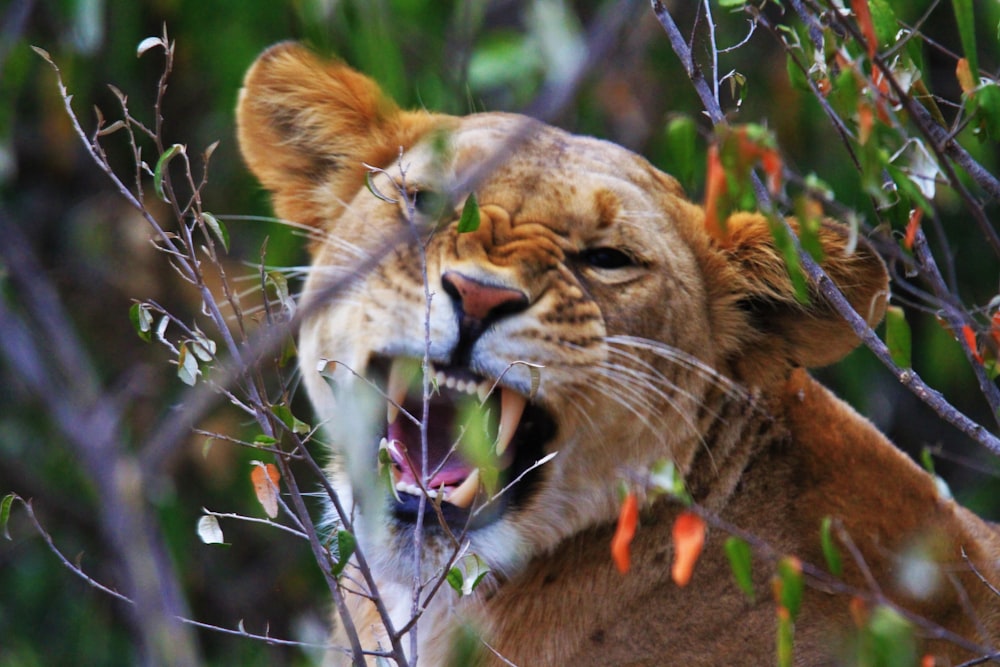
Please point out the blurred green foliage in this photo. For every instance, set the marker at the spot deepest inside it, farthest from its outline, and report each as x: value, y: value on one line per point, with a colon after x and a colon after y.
x: 444, y: 55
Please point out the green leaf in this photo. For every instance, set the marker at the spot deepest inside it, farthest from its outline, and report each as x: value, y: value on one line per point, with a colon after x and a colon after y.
x: 830, y: 551
x: 795, y: 74
x: 809, y: 229
x: 884, y: 21
x: 455, y: 579
x: 786, y: 246
x: 142, y: 320
x: 786, y: 638
x: 5, y: 506
x: 346, y: 545
x: 790, y: 576
x: 738, y: 553
x: 294, y: 424
x: 264, y: 440
x: 466, y: 647
x: 665, y: 478
x: 897, y: 336
x: 466, y: 575
x: 470, y: 215
x: 161, y: 165
x: 967, y: 33
x: 217, y: 228
x: 477, y: 427
x: 892, y: 642
x: 682, y: 135
x: 927, y: 460
x: 986, y: 115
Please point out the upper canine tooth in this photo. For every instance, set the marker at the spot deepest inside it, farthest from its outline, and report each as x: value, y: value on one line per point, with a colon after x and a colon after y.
x: 463, y: 495
x: 400, y: 374
x: 512, y: 406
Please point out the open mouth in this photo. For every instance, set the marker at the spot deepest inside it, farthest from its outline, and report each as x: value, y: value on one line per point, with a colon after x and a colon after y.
x: 475, y: 458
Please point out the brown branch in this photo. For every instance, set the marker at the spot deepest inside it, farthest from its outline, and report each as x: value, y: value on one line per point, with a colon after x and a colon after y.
x: 826, y: 287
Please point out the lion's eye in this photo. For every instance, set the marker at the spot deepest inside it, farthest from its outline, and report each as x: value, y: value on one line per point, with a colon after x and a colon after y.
x: 606, y: 258
x: 429, y: 203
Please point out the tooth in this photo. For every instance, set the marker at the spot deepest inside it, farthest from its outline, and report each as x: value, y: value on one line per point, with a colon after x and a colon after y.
x: 395, y: 391
x: 511, y: 408
x: 463, y: 495
x: 483, y: 391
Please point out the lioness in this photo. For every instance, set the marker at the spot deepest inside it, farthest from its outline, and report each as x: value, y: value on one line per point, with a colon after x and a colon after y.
x: 586, y: 306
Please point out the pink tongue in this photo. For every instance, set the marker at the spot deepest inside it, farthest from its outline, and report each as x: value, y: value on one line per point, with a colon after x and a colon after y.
x: 407, y: 436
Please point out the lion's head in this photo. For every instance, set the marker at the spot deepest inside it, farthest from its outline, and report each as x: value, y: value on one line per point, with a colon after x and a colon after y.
x: 588, y: 310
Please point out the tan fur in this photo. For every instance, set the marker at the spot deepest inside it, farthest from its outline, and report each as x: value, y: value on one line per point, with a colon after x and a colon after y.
x: 692, y: 353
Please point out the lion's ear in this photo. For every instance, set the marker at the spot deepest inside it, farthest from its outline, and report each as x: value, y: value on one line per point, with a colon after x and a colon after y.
x: 306, y: 128
x: 778, y: 330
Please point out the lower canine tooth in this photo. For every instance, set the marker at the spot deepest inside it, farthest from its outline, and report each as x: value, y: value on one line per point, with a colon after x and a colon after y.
x: 463, y: 495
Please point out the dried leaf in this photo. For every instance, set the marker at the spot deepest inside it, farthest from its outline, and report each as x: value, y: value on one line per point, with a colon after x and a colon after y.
x: 689, y: 538
x: 147, y: 44
x: 187, y: 366
x: 265, y: 480
x: 209, y: 530
x: 628, y: 520
x: 370, y: 184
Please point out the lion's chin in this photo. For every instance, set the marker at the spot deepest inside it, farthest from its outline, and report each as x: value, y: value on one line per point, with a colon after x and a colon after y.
x: 459, y: 451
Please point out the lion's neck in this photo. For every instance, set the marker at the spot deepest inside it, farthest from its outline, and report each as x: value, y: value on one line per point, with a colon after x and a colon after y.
x: 732, y: 432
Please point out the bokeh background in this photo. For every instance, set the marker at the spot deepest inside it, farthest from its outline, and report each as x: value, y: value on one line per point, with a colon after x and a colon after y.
x: 444, y: 55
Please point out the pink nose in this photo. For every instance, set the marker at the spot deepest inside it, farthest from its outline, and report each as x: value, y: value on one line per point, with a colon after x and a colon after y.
x: 480, y: 301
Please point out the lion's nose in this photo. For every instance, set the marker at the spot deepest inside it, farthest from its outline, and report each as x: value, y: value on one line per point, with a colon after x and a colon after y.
x: 481, y: 303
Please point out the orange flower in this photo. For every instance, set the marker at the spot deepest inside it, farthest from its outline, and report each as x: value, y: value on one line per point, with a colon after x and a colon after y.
x: 864, y: 16
x: 912, y: 226
x: 689, y: 538
x: 970, y: 341
x: 715, y: 188
x: 628, y: 519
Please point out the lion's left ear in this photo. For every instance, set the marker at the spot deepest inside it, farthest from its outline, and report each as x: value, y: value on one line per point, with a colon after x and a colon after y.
x: 769, y: 328
x: 307, y: 126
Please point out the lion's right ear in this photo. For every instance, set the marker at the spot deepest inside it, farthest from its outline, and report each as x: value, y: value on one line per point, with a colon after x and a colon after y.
x: 306, y: 128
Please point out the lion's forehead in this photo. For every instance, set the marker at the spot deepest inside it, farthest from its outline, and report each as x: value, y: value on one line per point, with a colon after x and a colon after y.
x: 571, y: 184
